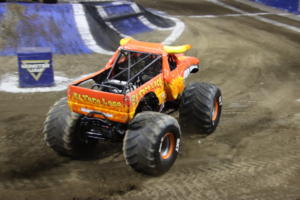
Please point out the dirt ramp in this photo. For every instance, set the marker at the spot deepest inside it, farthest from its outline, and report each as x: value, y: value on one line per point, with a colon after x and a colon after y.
x: 74, y: 28
x: 40, y: 25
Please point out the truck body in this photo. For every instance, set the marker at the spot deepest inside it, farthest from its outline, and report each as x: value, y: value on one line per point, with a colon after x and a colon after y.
x: 136, y: 70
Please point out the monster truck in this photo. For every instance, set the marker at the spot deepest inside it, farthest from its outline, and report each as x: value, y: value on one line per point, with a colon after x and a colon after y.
x: 129, y: 100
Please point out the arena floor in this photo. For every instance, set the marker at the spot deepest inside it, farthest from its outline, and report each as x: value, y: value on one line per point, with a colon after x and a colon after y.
x: 254, y: 153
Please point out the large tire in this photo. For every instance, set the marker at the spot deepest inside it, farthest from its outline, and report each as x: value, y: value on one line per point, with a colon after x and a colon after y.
x: 200, y: 108
x: 151, y: 143
x: 62, y: 132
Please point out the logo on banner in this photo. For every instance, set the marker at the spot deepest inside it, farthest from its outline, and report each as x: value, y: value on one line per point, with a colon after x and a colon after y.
x: 35, y: 67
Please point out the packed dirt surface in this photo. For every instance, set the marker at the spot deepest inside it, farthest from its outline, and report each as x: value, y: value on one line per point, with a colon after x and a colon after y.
x: 253, y: 154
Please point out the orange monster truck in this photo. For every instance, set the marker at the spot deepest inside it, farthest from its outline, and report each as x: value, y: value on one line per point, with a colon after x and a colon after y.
x: 129, y: 100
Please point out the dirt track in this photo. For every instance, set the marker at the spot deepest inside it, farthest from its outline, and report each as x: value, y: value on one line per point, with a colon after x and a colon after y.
x: 254, y: 154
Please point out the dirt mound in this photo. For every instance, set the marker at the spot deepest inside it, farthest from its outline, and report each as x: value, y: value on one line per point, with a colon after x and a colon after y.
x: 74, y: 28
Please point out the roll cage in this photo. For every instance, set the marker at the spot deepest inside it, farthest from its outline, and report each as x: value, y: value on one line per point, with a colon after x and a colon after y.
x: 130, y: 70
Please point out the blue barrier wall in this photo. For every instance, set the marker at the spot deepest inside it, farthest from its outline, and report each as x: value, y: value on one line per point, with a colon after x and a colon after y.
x: 130, y: 25
x: 289, y: 5
x: 115, y: 10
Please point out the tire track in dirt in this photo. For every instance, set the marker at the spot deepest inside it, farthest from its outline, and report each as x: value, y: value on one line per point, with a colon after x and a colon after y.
x: 239, y: 107
x: 57, y: 176
x: 185, y: 183
x: 30, y: 184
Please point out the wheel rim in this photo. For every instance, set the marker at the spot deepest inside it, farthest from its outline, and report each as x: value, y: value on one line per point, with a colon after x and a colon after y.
x: 215, y: 110
x: 167, y: 145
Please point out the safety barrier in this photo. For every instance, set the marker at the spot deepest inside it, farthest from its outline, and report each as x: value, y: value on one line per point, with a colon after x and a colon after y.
x: 289, y: 5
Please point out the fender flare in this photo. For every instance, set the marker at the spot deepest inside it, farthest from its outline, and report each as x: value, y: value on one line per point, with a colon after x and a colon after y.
x: 189, y: 70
